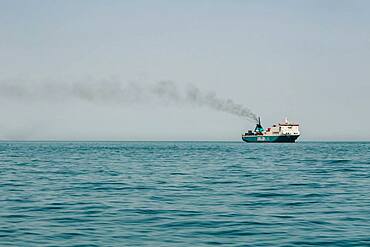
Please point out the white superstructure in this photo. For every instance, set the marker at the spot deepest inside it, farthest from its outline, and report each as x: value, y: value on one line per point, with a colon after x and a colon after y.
x: 286, y: 128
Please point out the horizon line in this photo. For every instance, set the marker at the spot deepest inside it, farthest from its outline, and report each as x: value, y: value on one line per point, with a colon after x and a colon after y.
x: 235, y: 141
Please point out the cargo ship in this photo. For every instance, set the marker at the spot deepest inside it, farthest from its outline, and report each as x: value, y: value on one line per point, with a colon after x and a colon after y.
x: 280, y: 132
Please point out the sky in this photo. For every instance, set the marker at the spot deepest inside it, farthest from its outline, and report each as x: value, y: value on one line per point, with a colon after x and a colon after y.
x: 305, y: 60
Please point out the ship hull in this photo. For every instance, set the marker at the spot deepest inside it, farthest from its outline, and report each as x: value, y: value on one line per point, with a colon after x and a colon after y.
x: 260, y: 138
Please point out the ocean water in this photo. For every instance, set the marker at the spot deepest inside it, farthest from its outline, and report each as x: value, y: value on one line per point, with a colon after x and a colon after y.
x: 184, y: 194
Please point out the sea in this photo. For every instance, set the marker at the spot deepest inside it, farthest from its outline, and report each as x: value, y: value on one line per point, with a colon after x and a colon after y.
x: 184, y: 194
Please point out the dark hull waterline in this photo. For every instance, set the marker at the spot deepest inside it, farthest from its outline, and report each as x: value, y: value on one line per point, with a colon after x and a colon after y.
x: 261, y: 138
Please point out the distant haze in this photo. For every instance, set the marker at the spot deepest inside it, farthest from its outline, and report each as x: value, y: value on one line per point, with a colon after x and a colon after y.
x: 183, y: 70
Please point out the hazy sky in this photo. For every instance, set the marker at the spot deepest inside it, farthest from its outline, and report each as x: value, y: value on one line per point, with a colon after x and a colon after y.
x: 307, y: 60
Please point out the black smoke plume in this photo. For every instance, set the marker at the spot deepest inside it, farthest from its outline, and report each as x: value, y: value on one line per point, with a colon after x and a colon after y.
x: 130, y: 93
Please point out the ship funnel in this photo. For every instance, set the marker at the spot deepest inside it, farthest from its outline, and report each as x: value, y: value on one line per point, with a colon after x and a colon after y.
x: 259, y: 127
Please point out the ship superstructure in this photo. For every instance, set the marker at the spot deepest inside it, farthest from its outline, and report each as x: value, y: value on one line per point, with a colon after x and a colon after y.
x: 280, y: 132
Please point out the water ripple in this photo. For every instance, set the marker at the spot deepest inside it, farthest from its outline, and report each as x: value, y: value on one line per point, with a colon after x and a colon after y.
x: 184, y: 193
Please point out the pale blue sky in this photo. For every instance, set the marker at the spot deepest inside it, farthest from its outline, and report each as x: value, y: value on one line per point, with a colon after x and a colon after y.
x: 308, y: 60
